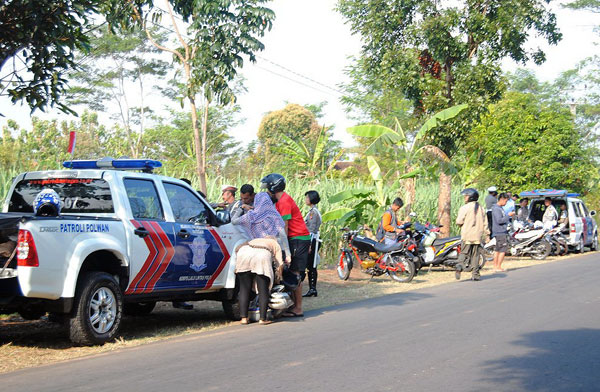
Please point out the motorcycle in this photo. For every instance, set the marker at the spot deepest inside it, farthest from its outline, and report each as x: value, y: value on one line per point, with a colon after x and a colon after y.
x: 433, y: 251
x: 282, y: 297
x: 525, y: 241
x: 558, y: 241
x: 376, y: 258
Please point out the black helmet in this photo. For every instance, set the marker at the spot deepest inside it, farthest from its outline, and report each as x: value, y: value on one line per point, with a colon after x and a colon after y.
x: 273, y: 183
x: 472, y: 193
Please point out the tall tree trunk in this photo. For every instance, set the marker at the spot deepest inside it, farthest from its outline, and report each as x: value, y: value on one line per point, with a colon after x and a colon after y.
x: 410, y: 188
x: 197, y: 145
x: 204, y: 147
x: 445, y: 203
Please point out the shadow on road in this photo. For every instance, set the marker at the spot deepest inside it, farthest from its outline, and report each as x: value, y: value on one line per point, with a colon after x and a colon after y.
x: 372, y: 303
x: 559, y: 361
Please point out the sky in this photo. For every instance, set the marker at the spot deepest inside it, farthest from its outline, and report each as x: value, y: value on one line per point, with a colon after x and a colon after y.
x: 307, y: 51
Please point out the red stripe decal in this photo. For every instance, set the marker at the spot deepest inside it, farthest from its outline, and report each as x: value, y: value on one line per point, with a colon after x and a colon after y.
x: 223, y: 262
x: 141, y: 288
x: 170, y: 252
x: 147, y: 263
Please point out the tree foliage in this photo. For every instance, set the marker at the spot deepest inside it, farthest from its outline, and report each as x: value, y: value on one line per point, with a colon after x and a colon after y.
x: 437, y: 54
x: 526, y: 144
x: 38, y: 41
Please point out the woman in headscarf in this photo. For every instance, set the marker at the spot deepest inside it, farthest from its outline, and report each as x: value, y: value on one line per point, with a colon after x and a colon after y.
x: 257, y: 258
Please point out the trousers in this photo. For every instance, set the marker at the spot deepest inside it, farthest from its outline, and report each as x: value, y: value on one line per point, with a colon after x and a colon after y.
x: 468, y: 260
x: 246, y: 279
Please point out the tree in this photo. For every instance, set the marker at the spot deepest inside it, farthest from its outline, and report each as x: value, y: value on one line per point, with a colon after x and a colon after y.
x: 131, y: 62
x: 293, y: 121
x: 221, y: 32
x: 436, y: 55
x: 526, y: 144
x: 174, y: 142
x: 409, y: 156
x: 38, y: 41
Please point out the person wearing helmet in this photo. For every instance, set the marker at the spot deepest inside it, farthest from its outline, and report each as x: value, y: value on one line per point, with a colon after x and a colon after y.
x: 296, y: 230
x: 47, y: 203
x: 474, y: 229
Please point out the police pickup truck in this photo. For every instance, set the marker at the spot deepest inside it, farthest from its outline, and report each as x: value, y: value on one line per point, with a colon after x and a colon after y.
x: 122, y: 239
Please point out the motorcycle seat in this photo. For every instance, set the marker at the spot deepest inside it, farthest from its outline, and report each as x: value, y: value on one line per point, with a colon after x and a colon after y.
x: 383, y: 248
x: 442, y: 241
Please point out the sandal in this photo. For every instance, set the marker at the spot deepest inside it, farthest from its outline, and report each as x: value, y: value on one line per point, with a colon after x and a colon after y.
x: 244, y: 321
x: 289, y: 313
x: 264, y: 322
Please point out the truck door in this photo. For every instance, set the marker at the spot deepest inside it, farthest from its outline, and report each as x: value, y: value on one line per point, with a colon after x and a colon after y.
x: 577, y: 223
x: 151, y: 245
x: 200, y: 254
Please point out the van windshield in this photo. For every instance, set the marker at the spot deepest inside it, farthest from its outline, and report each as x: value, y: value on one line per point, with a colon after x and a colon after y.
x: 78, y: 195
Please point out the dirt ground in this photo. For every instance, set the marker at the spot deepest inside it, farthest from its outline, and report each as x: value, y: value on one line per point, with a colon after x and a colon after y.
x: 34, y: 343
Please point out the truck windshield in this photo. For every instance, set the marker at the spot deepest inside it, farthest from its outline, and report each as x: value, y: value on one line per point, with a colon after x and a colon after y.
x: 78, y: 195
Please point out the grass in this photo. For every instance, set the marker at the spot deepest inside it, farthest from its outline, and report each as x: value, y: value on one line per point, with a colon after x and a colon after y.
x: 33, y: 343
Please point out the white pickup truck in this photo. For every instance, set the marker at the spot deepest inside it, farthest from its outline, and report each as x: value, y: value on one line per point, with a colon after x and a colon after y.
x: 123, y: 241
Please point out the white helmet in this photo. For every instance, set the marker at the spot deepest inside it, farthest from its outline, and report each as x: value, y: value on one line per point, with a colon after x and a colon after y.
x: 280, y: 301
x: 492, y: 189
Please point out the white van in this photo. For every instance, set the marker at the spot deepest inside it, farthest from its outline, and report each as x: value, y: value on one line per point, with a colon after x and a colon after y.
x: 583, y: 230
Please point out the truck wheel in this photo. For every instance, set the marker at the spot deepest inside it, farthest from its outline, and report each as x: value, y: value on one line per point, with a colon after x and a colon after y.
x: 138, y: 308
x: 97, y: 309
x: 231, y: 307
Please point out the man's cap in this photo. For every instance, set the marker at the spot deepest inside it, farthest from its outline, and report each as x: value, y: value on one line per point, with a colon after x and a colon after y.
x: 492, y: 189
x: 229, y: 188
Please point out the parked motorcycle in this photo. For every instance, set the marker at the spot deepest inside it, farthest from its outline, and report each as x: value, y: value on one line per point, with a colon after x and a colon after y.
x: 558, y: 241
x: 433, y: 251
x: 376, y: 258
x: 525, y: 241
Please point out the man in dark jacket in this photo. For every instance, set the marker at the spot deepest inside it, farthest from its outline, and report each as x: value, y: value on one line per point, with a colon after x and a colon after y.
x: 500, y: 230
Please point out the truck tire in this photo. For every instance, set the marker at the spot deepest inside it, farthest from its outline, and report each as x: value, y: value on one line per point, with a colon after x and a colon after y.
x: 231, y: 307
x: 97, y: 309
x: 138, y: 308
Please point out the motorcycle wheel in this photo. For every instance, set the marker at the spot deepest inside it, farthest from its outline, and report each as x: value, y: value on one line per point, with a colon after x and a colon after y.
x: 406, y: 269
x: 482, y: 259
x: 345, y: 266
x: 541, y: 250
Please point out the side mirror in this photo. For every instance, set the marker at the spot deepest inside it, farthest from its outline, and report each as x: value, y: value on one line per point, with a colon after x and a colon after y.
x: 223, y: 217
x: 593, y: 212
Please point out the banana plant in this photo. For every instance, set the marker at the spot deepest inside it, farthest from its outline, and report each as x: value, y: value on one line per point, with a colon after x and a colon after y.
x: 366, y: 204
x: 312, y: 161
x: 405, y: 152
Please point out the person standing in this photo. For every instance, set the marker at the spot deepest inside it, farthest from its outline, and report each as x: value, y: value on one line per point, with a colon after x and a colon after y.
x: 313, y: 224
x: 474, y: 229
x: 510, y: 204
x: 500, y: 230
x: 523, y: 214
x: 490, y: 200
x: 297, y: 234
x: 388, y: 229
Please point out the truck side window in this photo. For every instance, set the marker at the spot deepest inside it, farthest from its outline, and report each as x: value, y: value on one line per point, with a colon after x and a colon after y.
x: 143, y: 199
x: 186, y: 206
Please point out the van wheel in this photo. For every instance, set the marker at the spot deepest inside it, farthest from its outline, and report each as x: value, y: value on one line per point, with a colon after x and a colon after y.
x: 138, y: 308
x: 98, y: 308
x: 581, y: 247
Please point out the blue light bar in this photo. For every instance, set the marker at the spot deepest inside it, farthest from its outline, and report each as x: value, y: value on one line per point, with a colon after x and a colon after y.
x: 109, y: 163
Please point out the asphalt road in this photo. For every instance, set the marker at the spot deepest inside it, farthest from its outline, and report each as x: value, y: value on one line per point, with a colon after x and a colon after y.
x: 532, y: 329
